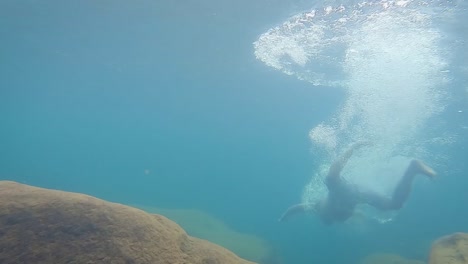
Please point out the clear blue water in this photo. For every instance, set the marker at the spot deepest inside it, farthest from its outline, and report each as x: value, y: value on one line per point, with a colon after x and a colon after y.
x: 93, y: 94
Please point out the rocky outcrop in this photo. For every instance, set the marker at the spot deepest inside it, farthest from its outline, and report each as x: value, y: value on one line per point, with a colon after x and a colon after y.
x: 451, y: 249
x: 48, y: 226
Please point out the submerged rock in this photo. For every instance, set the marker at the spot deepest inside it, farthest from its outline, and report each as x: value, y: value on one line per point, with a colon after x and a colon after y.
x: 202, y: 225
x: 383, y: 258
x: 451, y: 249
x: 48, y: 226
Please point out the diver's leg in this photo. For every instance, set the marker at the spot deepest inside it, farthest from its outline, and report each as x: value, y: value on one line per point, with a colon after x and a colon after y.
x: 403, y: 188
x: 377, y: 200
x: 338, y: 165
x: 294, y: 210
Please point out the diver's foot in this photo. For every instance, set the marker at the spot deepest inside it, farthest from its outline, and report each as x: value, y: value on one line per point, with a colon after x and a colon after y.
x: 423, y: 168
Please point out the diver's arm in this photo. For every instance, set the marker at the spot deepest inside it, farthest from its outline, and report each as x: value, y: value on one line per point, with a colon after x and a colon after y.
x: 294, y: 210
x: 338, y: 165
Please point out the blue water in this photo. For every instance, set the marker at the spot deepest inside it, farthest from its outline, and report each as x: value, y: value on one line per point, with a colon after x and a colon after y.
x: 163, y: 103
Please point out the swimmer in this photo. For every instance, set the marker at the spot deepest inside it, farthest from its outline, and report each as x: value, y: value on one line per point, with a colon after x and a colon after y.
x: 343, y: 197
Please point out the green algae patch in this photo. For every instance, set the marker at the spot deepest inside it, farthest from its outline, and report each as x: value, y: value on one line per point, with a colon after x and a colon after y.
x: 205, y: 226
x: 384, y: 258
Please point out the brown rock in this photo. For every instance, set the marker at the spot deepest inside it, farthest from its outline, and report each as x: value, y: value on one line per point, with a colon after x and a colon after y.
x: 451, y: 249
x: 48, y: 226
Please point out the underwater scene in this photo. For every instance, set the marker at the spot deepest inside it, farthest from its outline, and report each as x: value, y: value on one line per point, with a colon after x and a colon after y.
x: 287, y: 132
